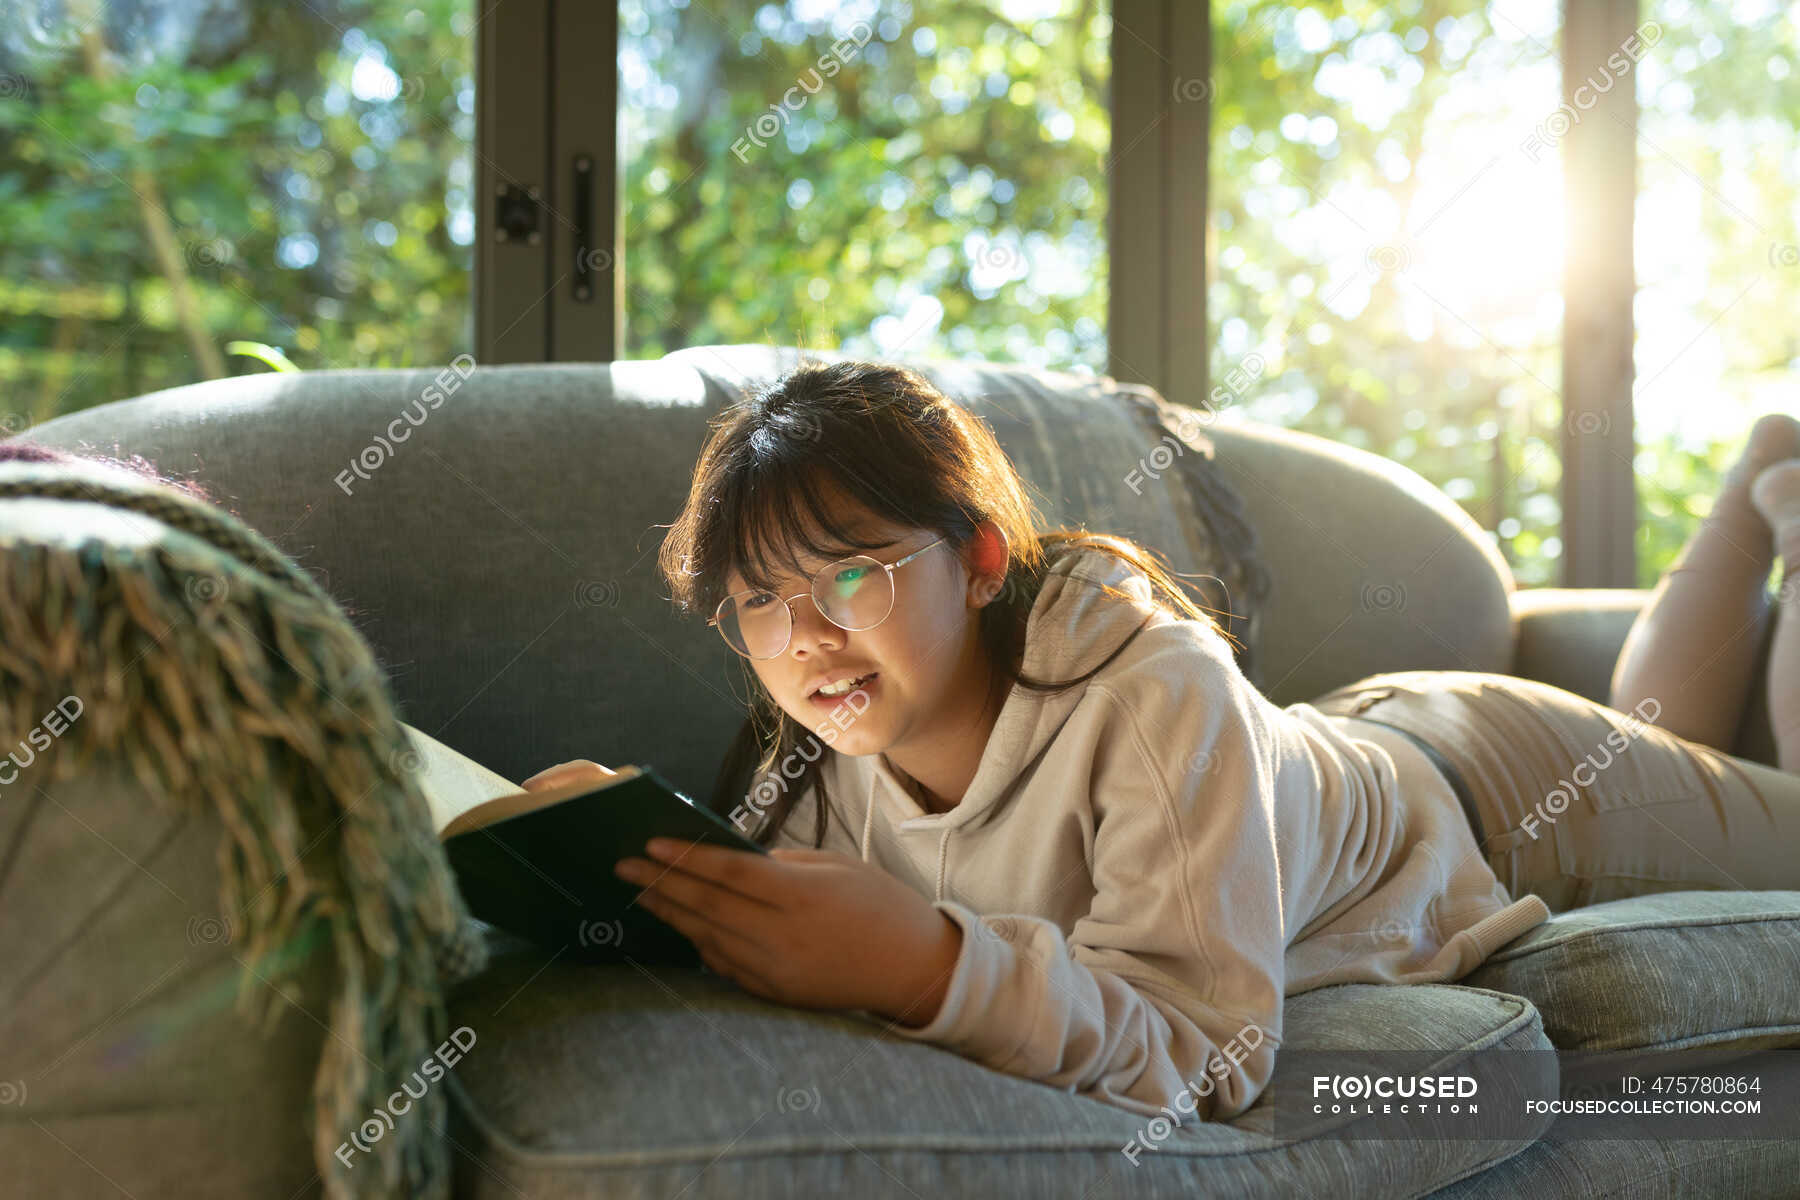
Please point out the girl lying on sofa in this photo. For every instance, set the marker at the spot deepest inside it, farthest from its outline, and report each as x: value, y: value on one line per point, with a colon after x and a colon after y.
x: 1023, y: 803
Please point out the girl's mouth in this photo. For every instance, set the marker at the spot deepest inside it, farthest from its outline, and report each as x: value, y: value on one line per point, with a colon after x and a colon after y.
x: 866, y: 685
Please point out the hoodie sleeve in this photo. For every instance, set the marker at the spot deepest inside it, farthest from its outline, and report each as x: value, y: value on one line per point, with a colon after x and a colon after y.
x: 1168, y: 993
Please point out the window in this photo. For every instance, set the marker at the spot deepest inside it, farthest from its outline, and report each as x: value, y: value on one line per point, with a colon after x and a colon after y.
x: 1717, y: 252
x: 906, y: 179
x: 1385, y: 252
x: 1384, y: 211
x: 185, y: 185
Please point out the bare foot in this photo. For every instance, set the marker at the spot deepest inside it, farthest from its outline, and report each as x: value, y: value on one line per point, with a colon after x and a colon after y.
x: 1776, y: 495
x: 1735, y: 535
x: 1735, y: 538
x: 1694, y: 645
x: 1774, y: 437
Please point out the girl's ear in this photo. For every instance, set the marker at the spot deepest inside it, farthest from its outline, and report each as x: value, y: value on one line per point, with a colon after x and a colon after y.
x: 990, y: 556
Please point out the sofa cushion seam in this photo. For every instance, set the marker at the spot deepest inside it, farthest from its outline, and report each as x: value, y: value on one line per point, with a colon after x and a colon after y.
x: 1564, y: 938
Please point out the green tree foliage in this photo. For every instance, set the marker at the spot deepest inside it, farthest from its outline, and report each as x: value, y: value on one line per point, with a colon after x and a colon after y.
x: 1718, y: 251
x: 918, y: 178
x: 312, y: 164
x: 1384, y: 245
x: 1346, y: 198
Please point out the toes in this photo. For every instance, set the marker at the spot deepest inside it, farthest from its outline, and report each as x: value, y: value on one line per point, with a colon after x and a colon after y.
x: 1774, y: 436
x: 1776, y: 492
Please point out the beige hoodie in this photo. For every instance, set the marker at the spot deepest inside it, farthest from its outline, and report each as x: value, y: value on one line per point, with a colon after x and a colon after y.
x: 1144, y: 865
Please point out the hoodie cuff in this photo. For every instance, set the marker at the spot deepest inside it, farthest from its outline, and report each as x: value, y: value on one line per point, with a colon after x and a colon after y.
x: 980, y: 967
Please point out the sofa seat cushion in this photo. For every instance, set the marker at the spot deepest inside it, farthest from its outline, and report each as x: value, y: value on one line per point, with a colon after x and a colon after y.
x: 1657, y: 983
x: 625, y: 1081
x: 1637, y: 1168
x: 1708, y: 974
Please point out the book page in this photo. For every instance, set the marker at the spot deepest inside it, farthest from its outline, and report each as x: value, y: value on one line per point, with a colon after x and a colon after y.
x: 490, y: 811
x: 453, y: 783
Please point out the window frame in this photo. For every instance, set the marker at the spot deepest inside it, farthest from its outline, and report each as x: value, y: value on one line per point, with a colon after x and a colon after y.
x: 543, y: 114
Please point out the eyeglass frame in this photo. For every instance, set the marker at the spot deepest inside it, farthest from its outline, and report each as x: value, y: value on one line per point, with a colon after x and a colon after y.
x: 788, y: 604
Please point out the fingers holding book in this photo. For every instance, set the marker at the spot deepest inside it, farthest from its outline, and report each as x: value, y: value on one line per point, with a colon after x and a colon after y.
x: 693, y: 873
x: 715, y: 897
x: 568, y: 772
x: 811, y: 928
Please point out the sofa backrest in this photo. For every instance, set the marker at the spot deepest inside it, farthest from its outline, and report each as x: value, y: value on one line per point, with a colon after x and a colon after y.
x: 1375, y: 568
x: 501, y: 559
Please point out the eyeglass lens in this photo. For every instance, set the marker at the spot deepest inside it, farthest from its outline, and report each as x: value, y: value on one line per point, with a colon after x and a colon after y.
x: 855, y: 593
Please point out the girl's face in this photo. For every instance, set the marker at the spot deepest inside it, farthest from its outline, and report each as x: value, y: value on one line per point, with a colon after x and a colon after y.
x: 925, y: 658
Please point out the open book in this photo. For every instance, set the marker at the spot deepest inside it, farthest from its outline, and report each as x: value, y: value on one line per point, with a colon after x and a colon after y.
x: 540, y: 864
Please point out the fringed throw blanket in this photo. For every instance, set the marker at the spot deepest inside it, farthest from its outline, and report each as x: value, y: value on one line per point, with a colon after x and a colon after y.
x: 229, y: 683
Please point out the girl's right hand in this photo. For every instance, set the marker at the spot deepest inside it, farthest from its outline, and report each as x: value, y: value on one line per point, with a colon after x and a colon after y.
x: 567, y: 772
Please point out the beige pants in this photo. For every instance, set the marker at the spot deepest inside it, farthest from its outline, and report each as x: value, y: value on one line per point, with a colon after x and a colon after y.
x: 1581, y: 803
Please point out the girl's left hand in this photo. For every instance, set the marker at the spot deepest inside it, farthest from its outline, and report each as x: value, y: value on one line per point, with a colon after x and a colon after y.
x: 810, y: 928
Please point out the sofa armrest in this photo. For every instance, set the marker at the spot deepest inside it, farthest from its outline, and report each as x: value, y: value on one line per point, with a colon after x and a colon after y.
x: 216, y: 801
x: 125, y: 1046
x: 1571, y: 637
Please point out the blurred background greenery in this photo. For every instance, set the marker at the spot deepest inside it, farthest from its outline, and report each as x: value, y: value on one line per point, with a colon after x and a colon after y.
x: 1384, y: 243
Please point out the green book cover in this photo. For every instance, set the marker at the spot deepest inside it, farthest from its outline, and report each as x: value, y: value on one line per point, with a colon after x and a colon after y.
x: 539, y: 864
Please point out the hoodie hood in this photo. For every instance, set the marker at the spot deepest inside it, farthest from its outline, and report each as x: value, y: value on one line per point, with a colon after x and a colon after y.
x: 1072, y: 627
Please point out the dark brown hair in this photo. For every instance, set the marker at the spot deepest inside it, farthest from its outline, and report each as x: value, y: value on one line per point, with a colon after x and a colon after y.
x: 889, y: 439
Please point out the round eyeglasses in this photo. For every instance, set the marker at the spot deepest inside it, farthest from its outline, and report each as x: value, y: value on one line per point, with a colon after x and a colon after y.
x: 854, y: 593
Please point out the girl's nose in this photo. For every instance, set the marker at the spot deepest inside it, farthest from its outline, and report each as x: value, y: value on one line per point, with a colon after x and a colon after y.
x: 811, y: 626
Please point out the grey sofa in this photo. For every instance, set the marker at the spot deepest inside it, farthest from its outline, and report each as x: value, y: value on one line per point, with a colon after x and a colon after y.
x: 500, y: 561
